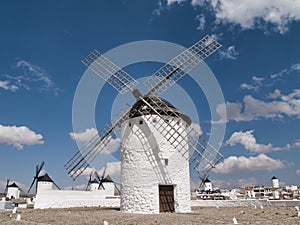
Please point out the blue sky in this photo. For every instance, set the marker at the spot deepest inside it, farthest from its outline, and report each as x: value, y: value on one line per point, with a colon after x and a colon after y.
x: 257, y: 68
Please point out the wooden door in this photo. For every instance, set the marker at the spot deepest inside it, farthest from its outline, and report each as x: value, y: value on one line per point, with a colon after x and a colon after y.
x: 166, y: 198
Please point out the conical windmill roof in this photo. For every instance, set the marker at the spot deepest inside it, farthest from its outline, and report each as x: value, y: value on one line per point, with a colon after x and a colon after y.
x: 94, y: 181
x: 107, y: 179
x: 45, y: 178
x: 13, y: 185
x: 140, y: 108
x: 207, y: 180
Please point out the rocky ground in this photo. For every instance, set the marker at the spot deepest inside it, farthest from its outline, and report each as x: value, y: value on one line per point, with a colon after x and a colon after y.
x: 200, y: 215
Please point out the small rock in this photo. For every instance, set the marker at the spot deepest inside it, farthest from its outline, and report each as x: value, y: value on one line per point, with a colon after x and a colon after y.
x: 234, y: 221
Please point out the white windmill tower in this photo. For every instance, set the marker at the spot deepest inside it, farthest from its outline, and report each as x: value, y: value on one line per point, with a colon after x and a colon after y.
x: 158, y: 145
x: 275, y: 182
x: 12, y: 190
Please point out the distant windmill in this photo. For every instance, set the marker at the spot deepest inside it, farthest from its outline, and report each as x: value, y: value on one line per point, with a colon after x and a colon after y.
x: 145, y: 126
x: 37, y: 178
x: 100, y: 180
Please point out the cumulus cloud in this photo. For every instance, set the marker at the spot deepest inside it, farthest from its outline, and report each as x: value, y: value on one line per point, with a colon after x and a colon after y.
x: 229, y: 53
x: 19, y: 136
x: 234, y: 164
x: 248, y: 14
x: 252, y: 108
x: 84, y: 136
x: 298, y: 172
x: 89, y: 133
x: 248, y: 140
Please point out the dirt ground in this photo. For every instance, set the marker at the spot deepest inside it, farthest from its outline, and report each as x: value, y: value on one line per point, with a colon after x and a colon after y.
x: 200, y: 215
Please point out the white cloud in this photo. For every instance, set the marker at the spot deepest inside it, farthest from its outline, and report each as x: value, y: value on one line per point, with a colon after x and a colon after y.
x: 234, y: 164
x: 170, y: 2
x: 293, y: 68
x: 250, y: 14
x: 113, y: 169
x: 37, y: 74
x: 297, y: 143
x: 252, y: 108
x: 229, y: 53
x: 256, y: 83
x: 235, y: 183
x: 275, y: 94
x: 89, y: 133
x: 28, y: 76
x: 196, y: 129
x: 6, y: 86
x: 201, y: 20
x: 84, y: 136
x: 230, y: 111
x: 19, y: 136
x: 298, y: 172
x: 248, y: 140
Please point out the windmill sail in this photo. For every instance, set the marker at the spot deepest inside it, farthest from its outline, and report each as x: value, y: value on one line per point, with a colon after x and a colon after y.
x: 108, y: 71
x: 180, y: 65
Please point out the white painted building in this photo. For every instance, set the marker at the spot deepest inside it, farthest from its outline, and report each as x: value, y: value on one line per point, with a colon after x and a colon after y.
x: 208, y: 185
x: 155, y: 175
x: 47, y: 197
x: 275, y: 182
x: 13, y: 191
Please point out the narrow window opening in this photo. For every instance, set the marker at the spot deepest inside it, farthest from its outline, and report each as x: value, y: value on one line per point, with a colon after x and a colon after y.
x: 166, y: 162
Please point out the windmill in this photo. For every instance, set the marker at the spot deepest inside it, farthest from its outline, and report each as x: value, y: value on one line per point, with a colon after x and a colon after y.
x: 45, y: 178
x: 105, y: 179
x: 154, y: 111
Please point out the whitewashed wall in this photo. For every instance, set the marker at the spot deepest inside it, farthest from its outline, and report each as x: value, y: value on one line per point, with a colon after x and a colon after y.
x: 67, y: 199
x: 144, y: 152
x: 13, y: 192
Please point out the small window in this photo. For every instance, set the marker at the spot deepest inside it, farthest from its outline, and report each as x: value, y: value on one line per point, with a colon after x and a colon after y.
x: 141, y: 122
x: 166, y: 162
x: 154, y: 120
x: 129, y: 124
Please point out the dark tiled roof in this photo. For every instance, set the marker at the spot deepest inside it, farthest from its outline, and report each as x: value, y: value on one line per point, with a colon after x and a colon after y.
x: 207, y: 180
x: 141, y: 108
x: 94, y: 181
x: 107, y: 179
x: 45, y: 178
x: 273, y: 178
x: 13, y: 185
